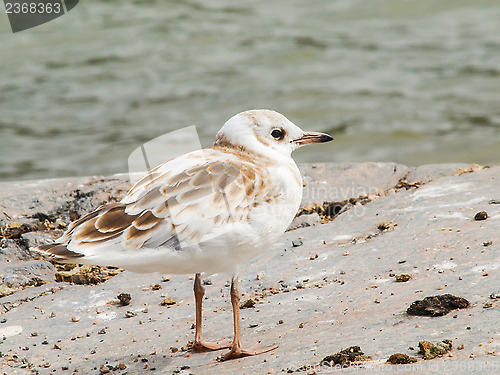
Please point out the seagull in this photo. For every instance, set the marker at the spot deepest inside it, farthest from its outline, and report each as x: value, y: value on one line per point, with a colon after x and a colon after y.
x: 207, y: 211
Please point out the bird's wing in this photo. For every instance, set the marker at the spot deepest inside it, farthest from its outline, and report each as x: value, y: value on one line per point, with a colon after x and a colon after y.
x: 177, y: 204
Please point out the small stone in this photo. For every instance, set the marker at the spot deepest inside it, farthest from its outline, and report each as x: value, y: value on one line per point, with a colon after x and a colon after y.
x: 61, y: 224
x: 482, y: 215
x: 75, y: 319
x: 401, y: 359
x: 102, y: 331
x: 156, y: 287
x: 58, y: 346
x: 403, y: 277
x: 487, y: 305
x: 280, y: 321
x: 301, y: 325
x: 345, y: 357
x: 168, y: 302
x: 387, y: 226
x: 430, y: 351
x: 437, y: 305
x: 249, y: 303
x: 260, y: 275
x: 487, y: 243
x: 297, y: 243
x: 130, y: 314
x: 124, y: 298
x: 122, y: 366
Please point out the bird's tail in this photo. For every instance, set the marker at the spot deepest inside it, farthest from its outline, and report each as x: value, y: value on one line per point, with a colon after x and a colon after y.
x: 59, y: 251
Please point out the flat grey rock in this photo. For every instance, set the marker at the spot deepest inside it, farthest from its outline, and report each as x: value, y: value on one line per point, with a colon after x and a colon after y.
x: 334, y: 291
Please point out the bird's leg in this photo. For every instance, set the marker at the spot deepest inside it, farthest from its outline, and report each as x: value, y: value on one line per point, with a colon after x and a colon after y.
x: 201, y: 345
x: 236, y: 350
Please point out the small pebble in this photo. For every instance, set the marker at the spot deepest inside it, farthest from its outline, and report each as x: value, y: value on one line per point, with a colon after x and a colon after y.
x: 482, y: 215
x: 403, y: 277
x: 75, y: 319
x: 249, y: 303
x: 124, y: 298
x: 61, y: 224
x: 130, y: 314
x: 168, y: 302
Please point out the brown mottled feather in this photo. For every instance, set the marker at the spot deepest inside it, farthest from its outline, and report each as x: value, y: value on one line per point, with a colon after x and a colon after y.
x: 114, y: 219
x: 146, y: 220
x: 151, y: 197
x: 202, y: 178
x: 60, y: 251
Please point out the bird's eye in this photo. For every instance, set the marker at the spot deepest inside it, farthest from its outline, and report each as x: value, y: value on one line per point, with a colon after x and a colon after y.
x: 278, y: 134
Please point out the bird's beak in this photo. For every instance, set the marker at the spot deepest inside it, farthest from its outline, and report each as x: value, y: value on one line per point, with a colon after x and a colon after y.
x: 313, y: 137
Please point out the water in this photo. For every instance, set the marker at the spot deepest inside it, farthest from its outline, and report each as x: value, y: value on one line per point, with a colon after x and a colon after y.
x: 413, y: 81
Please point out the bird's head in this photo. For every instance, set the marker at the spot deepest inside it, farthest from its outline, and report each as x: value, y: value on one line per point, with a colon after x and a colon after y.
x: 265, y: 132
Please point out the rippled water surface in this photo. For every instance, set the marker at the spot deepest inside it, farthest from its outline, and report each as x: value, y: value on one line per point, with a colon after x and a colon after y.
x: 413, y: 81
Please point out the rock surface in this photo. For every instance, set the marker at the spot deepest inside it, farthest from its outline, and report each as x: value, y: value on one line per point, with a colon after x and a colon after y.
x: 335, y: 290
